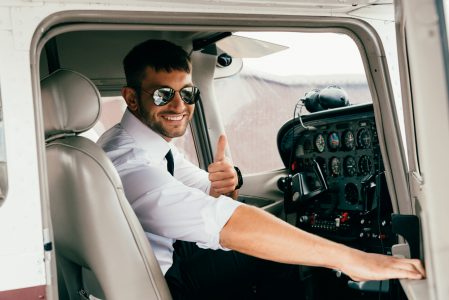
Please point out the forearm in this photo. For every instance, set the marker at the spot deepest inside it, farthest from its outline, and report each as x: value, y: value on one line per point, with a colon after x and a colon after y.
x: 255, y: 232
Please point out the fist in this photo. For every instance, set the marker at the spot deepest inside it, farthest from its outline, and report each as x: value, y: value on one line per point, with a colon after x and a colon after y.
x: 222, y: 174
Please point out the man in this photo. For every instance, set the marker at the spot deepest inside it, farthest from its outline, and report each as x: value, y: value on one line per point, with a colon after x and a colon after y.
x: 175, y: 200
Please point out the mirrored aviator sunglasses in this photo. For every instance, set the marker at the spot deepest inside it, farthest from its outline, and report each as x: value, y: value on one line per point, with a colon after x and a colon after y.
x: 189, y: 94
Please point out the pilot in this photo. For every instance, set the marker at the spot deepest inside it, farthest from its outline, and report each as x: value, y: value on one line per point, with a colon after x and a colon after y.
x: 207, y: 243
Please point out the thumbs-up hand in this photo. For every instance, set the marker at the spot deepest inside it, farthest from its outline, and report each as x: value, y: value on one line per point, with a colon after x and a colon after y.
x: 221, y: 147
x: 222, y: 174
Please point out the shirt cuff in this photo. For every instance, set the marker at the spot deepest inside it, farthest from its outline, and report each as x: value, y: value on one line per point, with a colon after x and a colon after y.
x: 215, y: 217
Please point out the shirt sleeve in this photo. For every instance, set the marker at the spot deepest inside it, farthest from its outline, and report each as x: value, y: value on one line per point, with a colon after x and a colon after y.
x: 167, y: 207
x: 190, y: 174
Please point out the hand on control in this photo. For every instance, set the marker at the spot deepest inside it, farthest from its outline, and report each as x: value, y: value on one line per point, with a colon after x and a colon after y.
x: 371, y: 266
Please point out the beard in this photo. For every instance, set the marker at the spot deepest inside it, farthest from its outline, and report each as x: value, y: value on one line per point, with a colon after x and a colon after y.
x: 159, y: 126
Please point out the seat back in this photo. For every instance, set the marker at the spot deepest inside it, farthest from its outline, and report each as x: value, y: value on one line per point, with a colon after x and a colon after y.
x: 94, y: 226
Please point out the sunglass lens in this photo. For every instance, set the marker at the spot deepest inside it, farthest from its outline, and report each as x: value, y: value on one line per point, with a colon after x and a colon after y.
x: 190, y: 94
x: 163, y: 95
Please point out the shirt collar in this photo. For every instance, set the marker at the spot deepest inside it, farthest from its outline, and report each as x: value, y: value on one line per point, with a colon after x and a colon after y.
x: 145, y: 137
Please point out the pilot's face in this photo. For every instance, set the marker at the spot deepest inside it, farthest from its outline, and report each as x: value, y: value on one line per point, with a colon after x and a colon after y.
x: 169, y: 120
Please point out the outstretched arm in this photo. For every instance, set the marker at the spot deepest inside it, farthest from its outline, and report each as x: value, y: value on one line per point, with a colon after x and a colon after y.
x: 255, y: 232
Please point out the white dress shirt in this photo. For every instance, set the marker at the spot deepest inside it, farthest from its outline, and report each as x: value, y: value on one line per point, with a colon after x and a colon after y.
x: 169, y: 208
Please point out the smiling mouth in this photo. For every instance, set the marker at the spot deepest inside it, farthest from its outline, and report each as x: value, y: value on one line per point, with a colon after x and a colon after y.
x: 174, y: 117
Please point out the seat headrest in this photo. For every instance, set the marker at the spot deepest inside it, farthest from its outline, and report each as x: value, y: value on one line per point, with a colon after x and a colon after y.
x: 70, y: 102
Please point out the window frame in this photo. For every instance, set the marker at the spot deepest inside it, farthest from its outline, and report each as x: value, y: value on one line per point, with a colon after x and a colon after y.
x: 3, y: 164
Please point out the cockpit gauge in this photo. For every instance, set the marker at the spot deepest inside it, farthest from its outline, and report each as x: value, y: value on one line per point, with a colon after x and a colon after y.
x: 320, y: 143
x: 350, y: 166
x: 335, y: 166
x: 333, y: 141
x: 364, y: 138
x: 365, y: 165
x: 348, y: 140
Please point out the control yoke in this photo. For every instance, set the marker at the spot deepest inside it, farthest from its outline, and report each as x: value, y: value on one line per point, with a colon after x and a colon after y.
x: 308, y: 185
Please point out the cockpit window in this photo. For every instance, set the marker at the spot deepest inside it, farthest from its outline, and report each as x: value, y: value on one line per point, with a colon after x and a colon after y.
x: 263, y: 95
x: 3, y: 173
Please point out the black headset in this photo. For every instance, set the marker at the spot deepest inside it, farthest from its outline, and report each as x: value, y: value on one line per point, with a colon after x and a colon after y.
x: 330, y: 97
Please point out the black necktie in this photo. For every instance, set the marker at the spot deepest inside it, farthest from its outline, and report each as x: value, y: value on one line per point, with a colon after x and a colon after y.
x: 170, y: 163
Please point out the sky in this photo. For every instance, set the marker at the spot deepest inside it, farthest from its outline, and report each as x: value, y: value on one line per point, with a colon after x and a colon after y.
x: 331, y: 53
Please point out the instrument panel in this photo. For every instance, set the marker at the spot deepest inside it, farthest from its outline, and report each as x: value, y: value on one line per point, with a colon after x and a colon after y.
x: 356, y: 207
x: 347, y: 152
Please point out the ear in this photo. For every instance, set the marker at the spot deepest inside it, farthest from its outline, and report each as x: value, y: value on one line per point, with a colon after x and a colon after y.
x: 130, y: 96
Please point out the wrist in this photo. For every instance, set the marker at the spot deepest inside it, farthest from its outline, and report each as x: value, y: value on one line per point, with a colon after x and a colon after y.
x: 239, y: 178
x: 348, y: 258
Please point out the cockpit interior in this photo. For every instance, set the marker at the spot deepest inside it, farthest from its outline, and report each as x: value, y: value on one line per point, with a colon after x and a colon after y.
x: 322, y: 170
x: 337, y: 188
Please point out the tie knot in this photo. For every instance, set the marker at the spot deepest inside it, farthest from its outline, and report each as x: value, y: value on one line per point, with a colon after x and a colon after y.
x: 170, y: 163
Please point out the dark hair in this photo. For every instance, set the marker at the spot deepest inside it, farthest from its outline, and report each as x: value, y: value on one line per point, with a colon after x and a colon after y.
x: 157, y: 54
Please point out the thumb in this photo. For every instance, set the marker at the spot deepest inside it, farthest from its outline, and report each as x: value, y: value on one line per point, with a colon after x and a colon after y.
x: 221, y: 146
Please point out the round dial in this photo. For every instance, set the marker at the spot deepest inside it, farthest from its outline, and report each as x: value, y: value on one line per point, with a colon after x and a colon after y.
x: 334, y: 166
x: 351, y: 193
x: 348, y: 140
x: 319, y: 143
x: 365, y: 165
x: 333, y: 141
x: 364, y: 138
x: 350, y: 166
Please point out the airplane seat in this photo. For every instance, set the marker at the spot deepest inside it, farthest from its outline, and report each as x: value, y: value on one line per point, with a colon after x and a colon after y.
x: 95, y: 228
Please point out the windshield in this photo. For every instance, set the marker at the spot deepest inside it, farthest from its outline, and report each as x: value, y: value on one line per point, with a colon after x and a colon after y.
x: 265, y: 94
